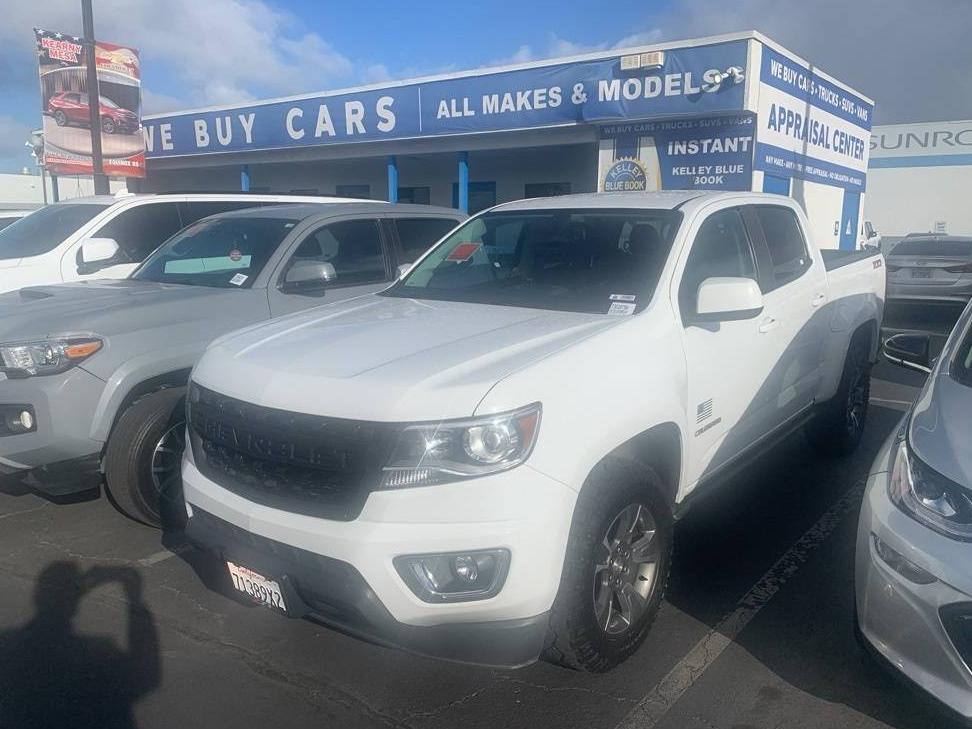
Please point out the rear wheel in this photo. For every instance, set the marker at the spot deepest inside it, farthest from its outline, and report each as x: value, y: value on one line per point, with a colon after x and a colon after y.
x: 837, y: 428
x: 615, y: 572
x: 60, y: 118
x: 143, y: 457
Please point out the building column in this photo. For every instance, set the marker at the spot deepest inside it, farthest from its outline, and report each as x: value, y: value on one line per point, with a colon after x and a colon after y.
x: 245, y: 178
x: 392, y: 179
x: 464, y: 181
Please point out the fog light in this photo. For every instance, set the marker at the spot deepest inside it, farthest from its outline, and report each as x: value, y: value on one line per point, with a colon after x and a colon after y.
x: 900, y: 564
x: 17, y: 419
x: 456, y: 576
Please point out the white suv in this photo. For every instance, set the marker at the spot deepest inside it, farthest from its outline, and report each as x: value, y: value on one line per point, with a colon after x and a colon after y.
x: 107, y: 236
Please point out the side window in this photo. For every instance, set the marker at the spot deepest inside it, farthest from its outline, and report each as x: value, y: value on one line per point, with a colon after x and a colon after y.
x: 352, y: 247
x: 140, y: 230
x: 787, y: 248
x: 721, y: 248
x: 418, y: 234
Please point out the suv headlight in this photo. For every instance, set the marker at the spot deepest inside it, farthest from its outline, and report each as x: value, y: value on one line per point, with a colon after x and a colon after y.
x: 929, y: 497
x: 431, y: 453
x: 46, y: 356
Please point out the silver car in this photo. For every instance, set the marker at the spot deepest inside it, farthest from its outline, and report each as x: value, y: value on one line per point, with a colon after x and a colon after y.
x: 931, y: 268
x: 914, y: 542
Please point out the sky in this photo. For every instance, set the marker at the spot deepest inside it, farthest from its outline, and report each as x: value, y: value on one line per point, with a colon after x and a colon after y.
x: 914, y: 57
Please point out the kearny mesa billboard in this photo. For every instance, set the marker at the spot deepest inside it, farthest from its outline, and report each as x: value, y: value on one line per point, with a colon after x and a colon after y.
x: 65, y: 104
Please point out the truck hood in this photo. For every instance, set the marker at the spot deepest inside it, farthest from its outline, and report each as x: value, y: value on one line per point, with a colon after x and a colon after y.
x: 105, y: 307
x: 388, y: 359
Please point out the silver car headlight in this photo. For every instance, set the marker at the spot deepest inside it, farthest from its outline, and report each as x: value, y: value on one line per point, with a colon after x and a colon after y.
x: 929, y: 497
x: 432, y: 453
x: 46, y: 356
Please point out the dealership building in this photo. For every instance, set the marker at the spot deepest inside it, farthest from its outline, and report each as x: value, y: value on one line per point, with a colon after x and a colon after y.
x: 732, y: 112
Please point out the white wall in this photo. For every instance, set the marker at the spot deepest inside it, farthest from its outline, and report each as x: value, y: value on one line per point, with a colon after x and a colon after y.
x: 823, y: 205
x: 920, y: 174
x: 25, y: 191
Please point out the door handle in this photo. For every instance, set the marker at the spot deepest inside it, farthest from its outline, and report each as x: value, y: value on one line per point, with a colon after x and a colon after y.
x: 768, y: 324
x: 818, y: 299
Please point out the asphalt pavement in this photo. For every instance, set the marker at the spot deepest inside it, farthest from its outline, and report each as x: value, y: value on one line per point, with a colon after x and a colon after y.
x: 103, y: 625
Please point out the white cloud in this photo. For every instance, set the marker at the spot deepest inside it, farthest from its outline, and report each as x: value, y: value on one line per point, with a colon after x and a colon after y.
x: 644, y: 38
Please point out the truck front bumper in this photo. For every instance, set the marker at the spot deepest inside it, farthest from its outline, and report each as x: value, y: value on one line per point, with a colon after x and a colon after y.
x: 343, y: 573
x: 59, y: 455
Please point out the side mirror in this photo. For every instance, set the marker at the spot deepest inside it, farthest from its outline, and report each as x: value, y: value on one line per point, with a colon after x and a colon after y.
x: 308, y: 277
x: 402, y: 270
x: 909, y: 350
x: 97, y: 253
x: 728, y: 298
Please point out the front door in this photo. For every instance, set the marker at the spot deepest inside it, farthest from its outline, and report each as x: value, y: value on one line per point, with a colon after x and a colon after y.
x: 358, y: 254
x: 728, y: 364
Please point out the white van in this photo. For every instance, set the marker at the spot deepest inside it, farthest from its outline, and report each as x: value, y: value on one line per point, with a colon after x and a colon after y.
x: 107, y: 236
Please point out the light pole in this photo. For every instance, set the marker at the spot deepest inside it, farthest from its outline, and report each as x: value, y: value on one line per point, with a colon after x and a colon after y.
x: 94, y: 100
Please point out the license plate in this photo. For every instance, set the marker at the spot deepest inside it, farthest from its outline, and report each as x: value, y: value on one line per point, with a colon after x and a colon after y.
x: 264, y: 591
x: 921, y: 273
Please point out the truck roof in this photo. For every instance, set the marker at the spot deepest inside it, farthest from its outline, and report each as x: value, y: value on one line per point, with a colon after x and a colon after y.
x: 662, y: 200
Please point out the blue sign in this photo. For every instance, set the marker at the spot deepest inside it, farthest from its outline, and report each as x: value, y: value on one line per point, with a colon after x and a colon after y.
x: 713, y: 153
x: 691, y: 82
x: 809, y: 127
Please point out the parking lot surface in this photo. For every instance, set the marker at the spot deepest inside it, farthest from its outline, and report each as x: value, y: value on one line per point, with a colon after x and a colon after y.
x: 103, y: 625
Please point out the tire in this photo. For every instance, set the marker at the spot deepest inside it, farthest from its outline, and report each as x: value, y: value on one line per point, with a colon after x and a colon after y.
x: 588, y: 630
x: 60, y: 118
x: 108, y: 126
x: 149, y: 435
x: 837, y: 428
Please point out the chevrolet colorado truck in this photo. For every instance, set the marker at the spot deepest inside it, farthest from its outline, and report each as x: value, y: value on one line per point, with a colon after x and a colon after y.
x: 484, y: 462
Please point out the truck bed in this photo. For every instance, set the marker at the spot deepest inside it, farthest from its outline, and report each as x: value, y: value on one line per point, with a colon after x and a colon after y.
x: 837, y: 258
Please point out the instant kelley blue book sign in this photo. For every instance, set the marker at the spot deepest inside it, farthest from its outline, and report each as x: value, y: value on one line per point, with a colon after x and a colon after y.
x: 713, y: 153
x: 584, y: 91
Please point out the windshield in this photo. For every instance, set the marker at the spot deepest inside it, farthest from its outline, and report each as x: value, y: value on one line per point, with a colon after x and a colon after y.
x: 933, y: 247
x: 216, y: 252
x: 42, y: 230
x: 591, y: 261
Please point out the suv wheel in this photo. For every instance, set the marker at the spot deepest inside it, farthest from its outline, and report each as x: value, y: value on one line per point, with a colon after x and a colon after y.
x: 108, y: 125
x: 143, y: 457
x: 837, y: 428
x: 60, y: 118
x: 615, y: 571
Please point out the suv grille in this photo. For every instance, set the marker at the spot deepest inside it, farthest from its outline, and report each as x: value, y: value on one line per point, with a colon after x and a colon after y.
x: 301, y: 463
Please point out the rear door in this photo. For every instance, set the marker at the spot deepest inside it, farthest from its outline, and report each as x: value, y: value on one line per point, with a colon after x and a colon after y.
x: 794, y: 322
x: 361, y: 255
x: 415, y: 235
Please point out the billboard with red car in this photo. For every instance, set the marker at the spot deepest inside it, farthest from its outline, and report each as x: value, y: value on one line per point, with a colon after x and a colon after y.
x: 66, y: 106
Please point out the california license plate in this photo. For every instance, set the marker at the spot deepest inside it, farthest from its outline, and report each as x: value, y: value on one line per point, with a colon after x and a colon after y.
x: 920, y: 273
x: 263, y: 590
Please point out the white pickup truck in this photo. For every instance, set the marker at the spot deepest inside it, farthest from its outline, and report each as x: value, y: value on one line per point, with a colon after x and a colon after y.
x: 485, y: 461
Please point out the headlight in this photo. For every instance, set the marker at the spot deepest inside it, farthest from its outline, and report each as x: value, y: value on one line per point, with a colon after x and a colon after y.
x: 432, y: 453
x: 929, y: 497
x: 46, y: 357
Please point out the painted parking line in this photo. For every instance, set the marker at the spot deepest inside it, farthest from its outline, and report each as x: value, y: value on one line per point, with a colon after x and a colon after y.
x: 163, y: 555
x: 653, y: 707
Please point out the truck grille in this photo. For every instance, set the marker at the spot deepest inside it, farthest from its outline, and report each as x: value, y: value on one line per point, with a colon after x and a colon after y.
x: 301, y: 463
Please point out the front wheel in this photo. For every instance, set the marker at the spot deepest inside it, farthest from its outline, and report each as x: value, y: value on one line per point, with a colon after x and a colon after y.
x: 144, y: 455
x: 108, y: 126
x: 615, y: 571
x: 60, y: 118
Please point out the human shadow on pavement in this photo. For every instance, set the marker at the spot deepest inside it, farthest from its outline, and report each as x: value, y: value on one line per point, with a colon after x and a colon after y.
x: 50, y: 676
